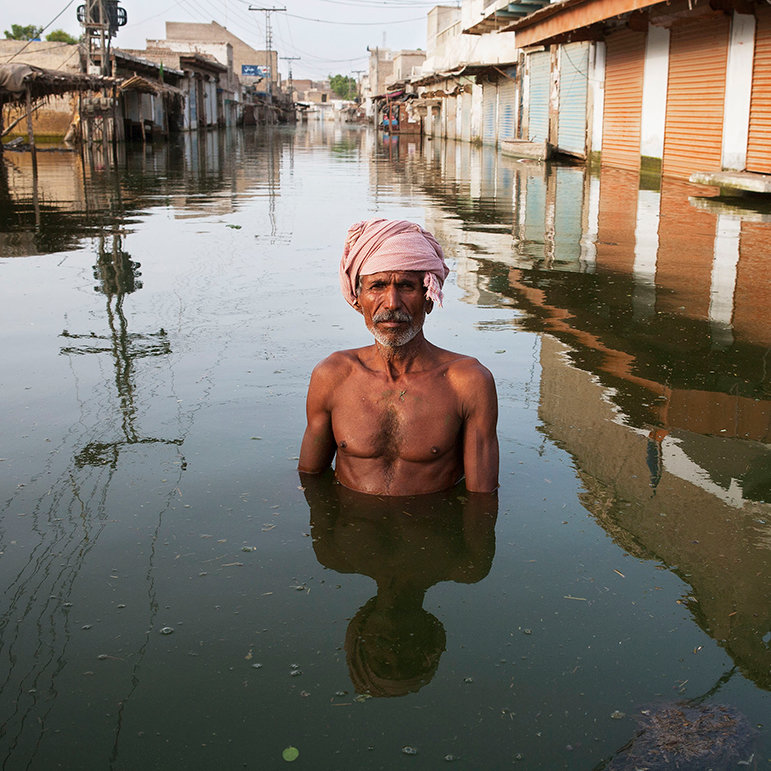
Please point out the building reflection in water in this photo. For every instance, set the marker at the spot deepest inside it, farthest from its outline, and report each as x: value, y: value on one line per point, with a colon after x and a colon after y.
x: 651, y: 300
x: 407, y: 545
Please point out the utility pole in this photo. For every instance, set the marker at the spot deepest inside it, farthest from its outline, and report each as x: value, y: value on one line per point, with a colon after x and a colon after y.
x: 101, y: 20
x: 268, y: 43
x: 290, y: 59
x: 357, y: 73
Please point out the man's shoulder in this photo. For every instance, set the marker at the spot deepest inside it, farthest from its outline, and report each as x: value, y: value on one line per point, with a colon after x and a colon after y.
x: 339, y: 363
x: 466, y: 368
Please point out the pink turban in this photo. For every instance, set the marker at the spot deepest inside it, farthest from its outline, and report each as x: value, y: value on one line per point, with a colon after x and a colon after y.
x: 382, y: 245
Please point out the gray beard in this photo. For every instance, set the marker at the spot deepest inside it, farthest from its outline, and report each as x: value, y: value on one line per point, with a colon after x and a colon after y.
x: 394, y: 340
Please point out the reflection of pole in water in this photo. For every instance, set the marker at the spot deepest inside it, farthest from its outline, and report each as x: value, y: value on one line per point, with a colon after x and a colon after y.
x: 118, y: 275
x: 65, y: 523
x: 272, y: 184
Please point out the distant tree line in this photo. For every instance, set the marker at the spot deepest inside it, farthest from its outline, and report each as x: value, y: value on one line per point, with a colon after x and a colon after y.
x: 344, y: 86
x: 31, y: 32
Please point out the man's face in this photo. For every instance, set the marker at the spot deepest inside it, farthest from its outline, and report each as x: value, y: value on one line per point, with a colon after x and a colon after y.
x: 394, y: 305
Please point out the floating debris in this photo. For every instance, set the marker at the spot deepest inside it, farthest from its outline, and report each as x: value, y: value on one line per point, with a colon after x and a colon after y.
x: 617, y: 714
x: 290, y: 753
x: 167, y: 630
x: 449, y: 757
x: 408, y: 750
x: 688, y: 737
x: 257, y: 666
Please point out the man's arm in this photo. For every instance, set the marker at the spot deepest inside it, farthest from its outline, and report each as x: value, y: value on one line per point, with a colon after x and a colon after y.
x: 480, y: 441
x: 318, y: 445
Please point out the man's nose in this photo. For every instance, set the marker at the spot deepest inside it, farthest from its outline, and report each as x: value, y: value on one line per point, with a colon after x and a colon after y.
x: 392, y: 299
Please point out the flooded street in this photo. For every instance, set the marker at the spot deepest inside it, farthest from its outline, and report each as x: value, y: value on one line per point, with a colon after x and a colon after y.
x: 173, y: 597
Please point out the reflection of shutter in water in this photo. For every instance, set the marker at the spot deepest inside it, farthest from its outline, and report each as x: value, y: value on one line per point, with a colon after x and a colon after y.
x: 574, y: 79
x: 538, y: 122
x: 567, y: 216
x: 489, y: 99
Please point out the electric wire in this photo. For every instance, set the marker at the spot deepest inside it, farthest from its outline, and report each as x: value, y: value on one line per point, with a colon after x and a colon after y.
x: 45, y: 28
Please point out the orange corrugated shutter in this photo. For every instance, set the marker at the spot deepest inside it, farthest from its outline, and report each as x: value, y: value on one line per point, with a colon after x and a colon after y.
x: 693, y: 135
x: 623, y: 99
x: 759, y: 144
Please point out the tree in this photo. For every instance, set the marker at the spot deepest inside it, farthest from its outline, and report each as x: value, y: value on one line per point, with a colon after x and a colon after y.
x: 18, y: 32
x: 343, y: 86
x: 60, y: 36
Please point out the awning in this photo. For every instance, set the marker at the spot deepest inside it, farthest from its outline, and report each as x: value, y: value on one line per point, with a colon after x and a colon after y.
x: 498, y: 19
x: 568, y: 16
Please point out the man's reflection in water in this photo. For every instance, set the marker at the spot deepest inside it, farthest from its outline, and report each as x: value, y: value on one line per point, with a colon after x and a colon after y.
x: 406, y: 544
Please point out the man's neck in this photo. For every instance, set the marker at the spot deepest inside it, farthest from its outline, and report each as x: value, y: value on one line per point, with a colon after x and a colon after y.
x: 400, y: 359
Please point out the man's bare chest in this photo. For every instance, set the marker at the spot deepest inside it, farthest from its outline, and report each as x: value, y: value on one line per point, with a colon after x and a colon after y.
x: 407, y: 419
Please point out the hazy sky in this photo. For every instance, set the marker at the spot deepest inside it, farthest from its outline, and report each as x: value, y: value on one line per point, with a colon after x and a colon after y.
x: 330, y: 36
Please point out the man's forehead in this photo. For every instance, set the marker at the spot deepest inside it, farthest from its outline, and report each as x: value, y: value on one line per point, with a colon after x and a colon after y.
x: 394, y: 275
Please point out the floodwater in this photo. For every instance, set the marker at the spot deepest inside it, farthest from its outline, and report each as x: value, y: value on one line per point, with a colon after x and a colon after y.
x: 173, y: 597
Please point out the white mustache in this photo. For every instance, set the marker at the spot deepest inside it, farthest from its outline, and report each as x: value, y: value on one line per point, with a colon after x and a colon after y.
x: 391, y: 316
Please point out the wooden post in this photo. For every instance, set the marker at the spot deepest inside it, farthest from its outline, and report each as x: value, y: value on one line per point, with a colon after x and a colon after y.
x: 30, y: 133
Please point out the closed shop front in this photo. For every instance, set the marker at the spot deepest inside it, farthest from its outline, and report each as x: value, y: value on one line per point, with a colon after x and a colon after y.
x: 624, y: 61
x: 693, y: 131
x: 759, y: 144
x: 573, y: 90
x: 489, y: 110
x: 507, y: 107
x: 538, y: 96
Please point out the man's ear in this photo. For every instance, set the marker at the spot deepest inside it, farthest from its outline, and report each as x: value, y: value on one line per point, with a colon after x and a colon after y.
x: 429, y: 305
x: 357, y: 306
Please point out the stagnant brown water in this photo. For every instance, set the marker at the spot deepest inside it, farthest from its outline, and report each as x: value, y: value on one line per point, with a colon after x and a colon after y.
x: 173, y: 598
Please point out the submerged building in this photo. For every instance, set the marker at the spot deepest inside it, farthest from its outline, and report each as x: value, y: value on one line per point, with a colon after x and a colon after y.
x: 677, y: 88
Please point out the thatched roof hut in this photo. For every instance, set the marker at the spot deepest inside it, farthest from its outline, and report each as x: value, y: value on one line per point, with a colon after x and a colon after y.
x: 16, y: 79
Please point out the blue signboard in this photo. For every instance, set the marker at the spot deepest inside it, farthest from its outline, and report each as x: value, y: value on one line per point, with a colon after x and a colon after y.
x: 255, y: 70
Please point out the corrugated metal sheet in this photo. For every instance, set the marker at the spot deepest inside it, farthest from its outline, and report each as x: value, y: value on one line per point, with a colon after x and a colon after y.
x: 759, y: 143
x: 693, y: 133
x: 624, y: 62
x: 538, y: 96
x: 573, y: 90
x: 490, y: 108
x: 507, y: 109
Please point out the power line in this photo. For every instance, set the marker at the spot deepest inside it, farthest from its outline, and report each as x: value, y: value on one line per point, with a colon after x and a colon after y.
x: 357, y: 23
x: 45, y: 28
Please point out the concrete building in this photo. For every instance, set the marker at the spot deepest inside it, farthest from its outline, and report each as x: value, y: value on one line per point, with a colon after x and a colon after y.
x: 679, y: 88
x: 246, y: 61
x: 468, y: 84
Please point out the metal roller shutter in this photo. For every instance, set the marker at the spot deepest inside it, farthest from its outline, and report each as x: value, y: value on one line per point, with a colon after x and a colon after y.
x: 759, y: 143
x: 693, y: 133
x: 538, y: 97
x: 624, y: 61
x: 507, y: 109
x: 490, y: 108
x: 574, y: 86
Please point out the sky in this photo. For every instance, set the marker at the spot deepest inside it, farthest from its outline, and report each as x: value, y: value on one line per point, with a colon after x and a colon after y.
x: 329, y: 36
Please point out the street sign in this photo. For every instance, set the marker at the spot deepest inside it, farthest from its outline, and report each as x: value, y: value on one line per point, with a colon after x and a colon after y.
x: 255, y: 70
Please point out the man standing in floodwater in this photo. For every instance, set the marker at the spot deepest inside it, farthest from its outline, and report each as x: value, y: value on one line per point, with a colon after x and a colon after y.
x: 403, y: 416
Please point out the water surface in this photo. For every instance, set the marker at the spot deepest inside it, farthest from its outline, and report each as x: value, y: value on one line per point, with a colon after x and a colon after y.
x: 173, y: 595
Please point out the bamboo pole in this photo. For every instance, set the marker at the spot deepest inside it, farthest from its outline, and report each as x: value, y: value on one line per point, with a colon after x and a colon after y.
x: 30, y: 133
